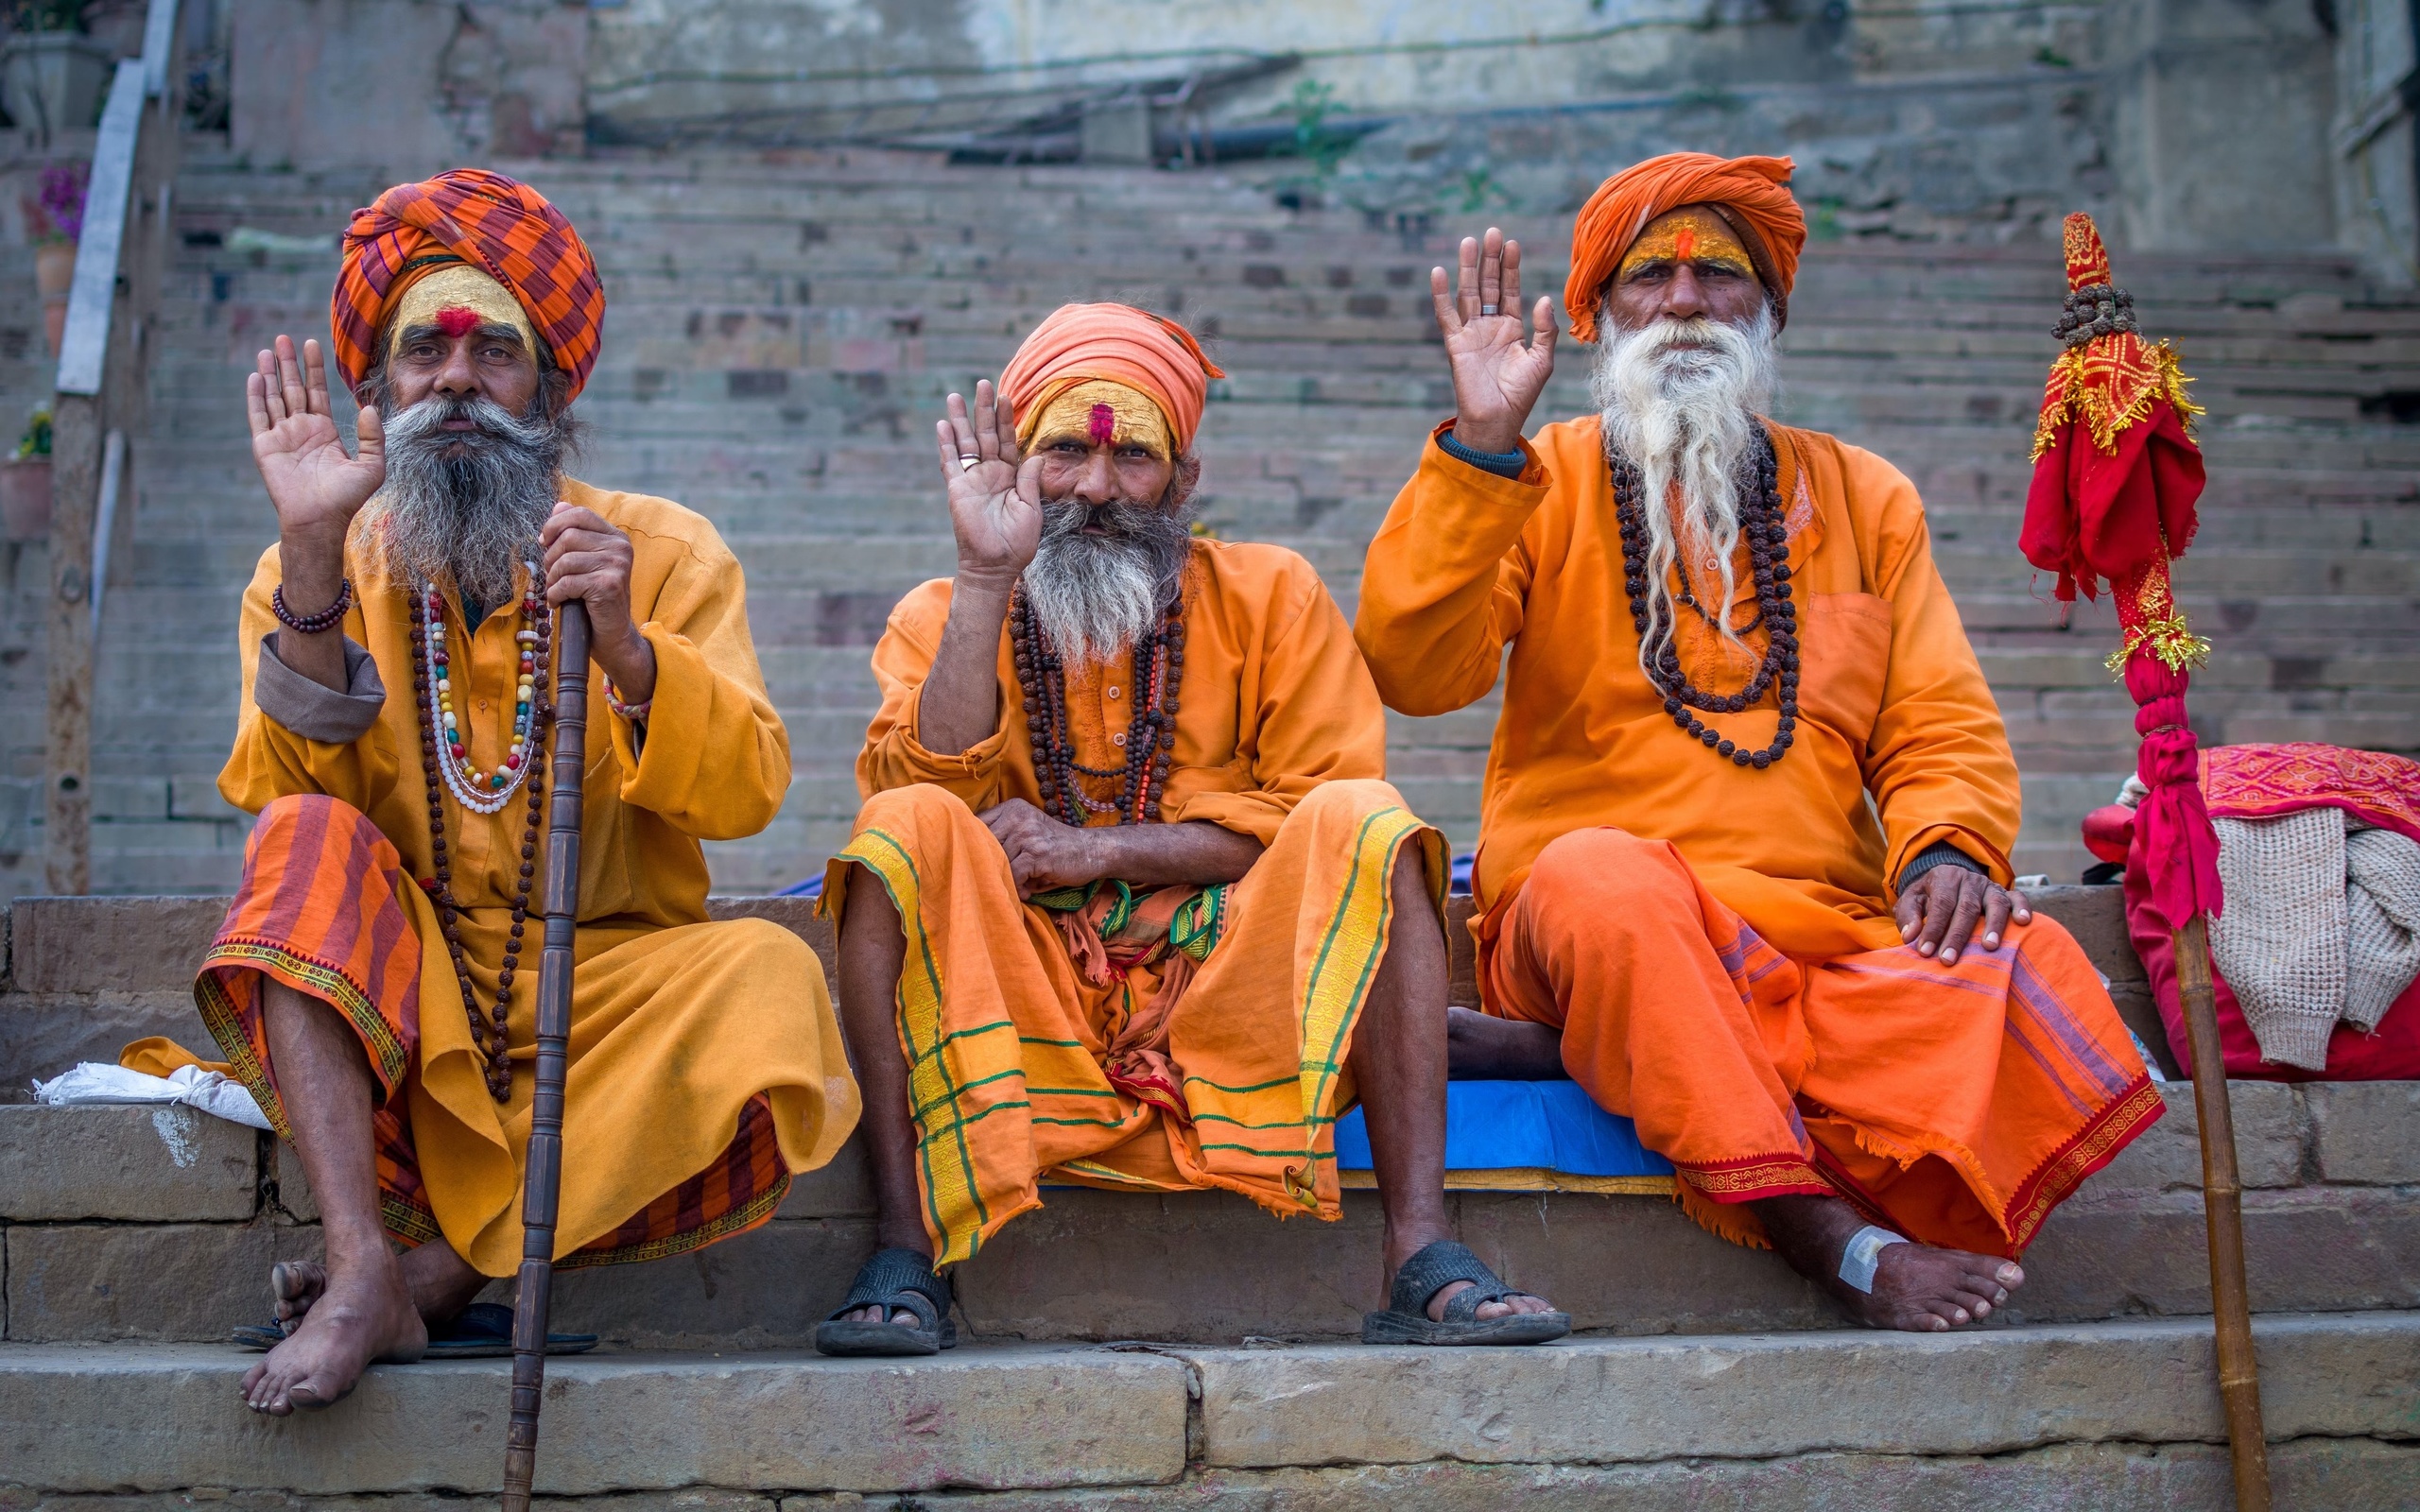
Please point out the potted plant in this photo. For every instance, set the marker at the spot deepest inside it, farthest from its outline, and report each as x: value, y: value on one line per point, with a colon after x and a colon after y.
x: 24, y: 484
x: 57, y: 221
x: 52, y: 77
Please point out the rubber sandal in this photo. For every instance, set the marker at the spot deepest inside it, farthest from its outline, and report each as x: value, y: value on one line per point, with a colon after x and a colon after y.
x: 1433, y: 1269
x: 894, y: 1280
x: 483, y: 1330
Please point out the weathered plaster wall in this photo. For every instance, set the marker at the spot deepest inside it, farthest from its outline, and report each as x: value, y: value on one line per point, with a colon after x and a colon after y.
x: 328, y: 83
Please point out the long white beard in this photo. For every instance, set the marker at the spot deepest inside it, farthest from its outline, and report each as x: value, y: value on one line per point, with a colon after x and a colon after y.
x: 464, y: 506
x: 1093, y: 596
x: 1687, y: 417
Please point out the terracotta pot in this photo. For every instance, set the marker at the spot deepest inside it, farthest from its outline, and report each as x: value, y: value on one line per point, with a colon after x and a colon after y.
x: 54, y: 323
x: 55, y: 268
x: 25, y: 498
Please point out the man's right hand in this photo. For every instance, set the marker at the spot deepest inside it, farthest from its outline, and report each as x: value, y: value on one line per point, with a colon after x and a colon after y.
x: 315, y: 487
x: 994, y: 503
x: 1496, y: 379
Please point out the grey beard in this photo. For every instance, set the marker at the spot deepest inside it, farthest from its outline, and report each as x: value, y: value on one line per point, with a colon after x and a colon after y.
x: 465, y: 506
x: 1687, y: 419
x: 1093, y: 596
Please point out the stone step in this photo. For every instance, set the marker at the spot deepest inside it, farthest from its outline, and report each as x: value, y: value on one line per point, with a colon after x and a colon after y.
x: 2117, y: 1416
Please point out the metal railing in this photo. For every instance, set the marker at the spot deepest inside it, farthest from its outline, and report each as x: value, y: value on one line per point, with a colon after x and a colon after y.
x: 120, y: 259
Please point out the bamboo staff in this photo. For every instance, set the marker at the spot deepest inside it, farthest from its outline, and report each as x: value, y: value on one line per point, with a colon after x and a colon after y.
x: 2223, y: 1210
x: 544, y: 1181
x: 2116, y: 481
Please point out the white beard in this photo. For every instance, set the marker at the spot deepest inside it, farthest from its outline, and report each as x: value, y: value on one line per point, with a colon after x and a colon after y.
x: 1688, y: 419
x: 1094, y: 596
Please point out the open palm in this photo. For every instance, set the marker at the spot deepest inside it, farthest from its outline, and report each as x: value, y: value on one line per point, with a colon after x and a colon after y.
x: 1497, y: 377
x: 995, y: 497
x: 316, y: 487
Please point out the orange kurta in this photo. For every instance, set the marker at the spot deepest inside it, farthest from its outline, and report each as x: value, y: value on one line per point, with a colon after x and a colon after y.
x: 680, y: 1024
x: 1899, y: 745
x: 1010, y: 1046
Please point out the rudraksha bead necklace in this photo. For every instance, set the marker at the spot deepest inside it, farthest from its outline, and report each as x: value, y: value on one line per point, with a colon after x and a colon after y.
x: 1763, y: 525
x: 534, y: 713
x: 1150, y: 734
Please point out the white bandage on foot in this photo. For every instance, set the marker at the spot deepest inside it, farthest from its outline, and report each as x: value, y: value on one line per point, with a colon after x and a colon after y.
x: 1864, y: 1253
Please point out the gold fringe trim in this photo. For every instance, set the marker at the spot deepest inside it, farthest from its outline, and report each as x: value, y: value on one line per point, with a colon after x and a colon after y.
x: 2131, y: 374
x: 2169, y: 640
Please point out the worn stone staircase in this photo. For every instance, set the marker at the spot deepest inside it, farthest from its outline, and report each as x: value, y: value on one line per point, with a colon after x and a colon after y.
x: 782, y: 329
x: 1191, y: 1353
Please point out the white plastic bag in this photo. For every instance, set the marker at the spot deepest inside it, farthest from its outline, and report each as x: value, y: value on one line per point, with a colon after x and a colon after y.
x: 95, y: 1082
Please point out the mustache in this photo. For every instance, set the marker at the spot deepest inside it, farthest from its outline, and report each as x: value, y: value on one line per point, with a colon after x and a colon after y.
x: 493, y: 426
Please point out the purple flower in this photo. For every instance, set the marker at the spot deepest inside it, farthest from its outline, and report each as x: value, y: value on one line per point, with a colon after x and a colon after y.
x: 62, y: 198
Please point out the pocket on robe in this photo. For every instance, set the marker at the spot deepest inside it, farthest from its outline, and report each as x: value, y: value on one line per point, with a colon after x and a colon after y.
x: 1843, y: 657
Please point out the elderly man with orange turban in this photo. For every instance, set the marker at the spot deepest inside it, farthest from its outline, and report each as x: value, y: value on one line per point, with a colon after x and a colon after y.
x: 1744, y: 865
x: 1128, y: 906
x: 373, y: 982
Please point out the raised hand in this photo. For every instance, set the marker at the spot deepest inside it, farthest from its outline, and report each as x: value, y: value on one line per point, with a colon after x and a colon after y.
x: 1497, y: 378
x: 317, y: 489
x: 995, y: 500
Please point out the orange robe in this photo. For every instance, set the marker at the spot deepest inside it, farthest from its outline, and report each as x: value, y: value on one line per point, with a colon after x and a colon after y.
x: 1759, y: 917
x: 706, y: 1066
x: 1153, y: 1074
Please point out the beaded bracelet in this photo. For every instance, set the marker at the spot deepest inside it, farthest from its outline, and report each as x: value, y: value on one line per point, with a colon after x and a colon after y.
x: 631, y: 712
x: 327, y: 619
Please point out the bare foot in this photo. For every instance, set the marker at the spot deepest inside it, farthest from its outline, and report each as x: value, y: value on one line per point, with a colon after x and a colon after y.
x: 442, y: 1284
x: 1919, y: 1288
x: 1398, y: 1251
x: 1480, y: 1047
x: 296, y: 1284
x: 346, y: 1325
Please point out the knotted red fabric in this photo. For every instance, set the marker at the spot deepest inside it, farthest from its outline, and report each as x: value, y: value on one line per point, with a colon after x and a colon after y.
x: 2116, y: 479
x: 498, y: 225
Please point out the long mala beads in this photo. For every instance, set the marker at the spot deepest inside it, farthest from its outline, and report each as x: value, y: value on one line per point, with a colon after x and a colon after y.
x: 1150, y: 734
x: 1763, y: 526
x: 446, y: 764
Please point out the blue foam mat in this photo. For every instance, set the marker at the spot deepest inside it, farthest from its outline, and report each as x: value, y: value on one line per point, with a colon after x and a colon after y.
x: 1497, y: 1126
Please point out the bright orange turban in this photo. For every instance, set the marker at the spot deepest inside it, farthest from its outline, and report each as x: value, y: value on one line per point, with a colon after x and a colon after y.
x: 1119, y: 343
x: 1752, y: 193
x: 501, y: 227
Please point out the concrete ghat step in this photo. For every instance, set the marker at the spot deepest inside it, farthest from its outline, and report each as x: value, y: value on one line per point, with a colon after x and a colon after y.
x: 1181, y: 1427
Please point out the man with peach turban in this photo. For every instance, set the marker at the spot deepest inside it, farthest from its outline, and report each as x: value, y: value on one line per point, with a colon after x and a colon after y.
x: 1744, y: 866
x: 373, y: 983
x: 1129, y: 905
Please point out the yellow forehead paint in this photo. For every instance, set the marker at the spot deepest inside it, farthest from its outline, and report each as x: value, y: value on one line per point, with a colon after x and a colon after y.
x: 455, y: 299
x: 1098, y: 412
x: 1687, y: 236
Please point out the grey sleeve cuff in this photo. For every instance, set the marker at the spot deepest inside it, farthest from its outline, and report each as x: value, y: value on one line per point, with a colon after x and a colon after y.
x: 1939, y: 853
x: 312, y: 711
x: 1510, y: 464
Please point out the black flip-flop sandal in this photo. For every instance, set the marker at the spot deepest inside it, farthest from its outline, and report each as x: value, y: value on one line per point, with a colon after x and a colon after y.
x: 894, y: 1280
x: 483, y: 1330
x: 1433, y: 1269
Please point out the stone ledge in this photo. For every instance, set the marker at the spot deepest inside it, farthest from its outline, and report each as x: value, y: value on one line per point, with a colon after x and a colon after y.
x: 166, y: 1418
x: 1289, y: 1429
x: 141, y: 1165
x: 1606, y: 1402
x: 2306, y: 1475
x: 2367, y: 1132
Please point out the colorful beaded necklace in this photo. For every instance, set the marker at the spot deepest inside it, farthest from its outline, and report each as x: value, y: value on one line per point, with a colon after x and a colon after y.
x: 444, y: 765
x: 480, y: 792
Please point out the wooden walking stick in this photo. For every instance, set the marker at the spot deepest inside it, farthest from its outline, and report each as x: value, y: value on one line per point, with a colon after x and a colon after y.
x: 2116, y: 476
x: 544, y: 1180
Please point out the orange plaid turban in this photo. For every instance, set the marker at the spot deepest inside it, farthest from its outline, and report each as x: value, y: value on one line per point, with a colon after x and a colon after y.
x: 501, y: 227
x: 1115, y: 343
x: 1751, y: 194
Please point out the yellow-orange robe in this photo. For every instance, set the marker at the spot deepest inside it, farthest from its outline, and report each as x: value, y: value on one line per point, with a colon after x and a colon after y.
x: 1791, y: 866
x: 1011, y: 1046
x: 706, y: 1066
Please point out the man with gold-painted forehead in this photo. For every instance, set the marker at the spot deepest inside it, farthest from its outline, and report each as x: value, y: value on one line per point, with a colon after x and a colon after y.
x: 375, y: 983
x: 1743, y: 867
x: 1129, y: 905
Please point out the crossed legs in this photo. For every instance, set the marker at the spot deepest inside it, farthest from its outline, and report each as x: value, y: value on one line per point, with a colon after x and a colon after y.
x: 366, y: 1304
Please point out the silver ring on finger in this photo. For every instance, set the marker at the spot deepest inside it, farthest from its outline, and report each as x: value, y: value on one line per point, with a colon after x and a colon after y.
x: 968, y: 464
x: 1487, y: 309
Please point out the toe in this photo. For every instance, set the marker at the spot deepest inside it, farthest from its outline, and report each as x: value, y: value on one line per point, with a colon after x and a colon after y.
x: 1978, y: 1306
x: 1436, y: 1308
